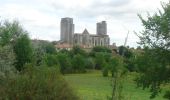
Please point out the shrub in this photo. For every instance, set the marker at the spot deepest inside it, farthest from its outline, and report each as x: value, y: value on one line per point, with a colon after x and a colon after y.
x: 105, y: 72
x: 64, y: 63
x: 78, y: 63
x: 51, y: 60
x: 7, y: 59
x: 37, y: 83
x: 90, y: 63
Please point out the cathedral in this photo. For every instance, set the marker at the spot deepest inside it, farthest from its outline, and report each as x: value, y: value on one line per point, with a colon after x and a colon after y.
x: 86, y: 40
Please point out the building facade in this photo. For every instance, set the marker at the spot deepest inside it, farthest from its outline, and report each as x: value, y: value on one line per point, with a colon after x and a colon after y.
x: 87, y: 40
x: 101, y: 28
x: 67, y: 30
x: 84, y: 39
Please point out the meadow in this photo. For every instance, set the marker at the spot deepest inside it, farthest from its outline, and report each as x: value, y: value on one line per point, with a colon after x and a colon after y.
x: 93, y: 86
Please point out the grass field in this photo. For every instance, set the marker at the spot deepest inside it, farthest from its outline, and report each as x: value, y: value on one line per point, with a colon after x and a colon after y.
x: 92, y: 86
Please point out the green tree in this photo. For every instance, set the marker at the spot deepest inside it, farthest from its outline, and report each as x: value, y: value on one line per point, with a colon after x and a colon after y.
x: 9, y: 32
x: 78, y: 63
x: 41, y: 51
x: 78, y: 50
x: 154, y: 64
x: 64, y: 63
x: 100, y: 49
x: 23, y: 50
x: 90, y: 63
x: 116, y: 67
x: 49, y: 48
x: 100, y: 60
x: 51, y: 60
x: 125, y: 52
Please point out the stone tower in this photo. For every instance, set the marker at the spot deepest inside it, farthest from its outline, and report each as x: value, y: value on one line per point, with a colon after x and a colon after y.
x: 67, y: 30
x: 101, y: 28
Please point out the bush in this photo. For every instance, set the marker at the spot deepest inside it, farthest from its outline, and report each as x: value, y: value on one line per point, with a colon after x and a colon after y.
x: 64, y: 63
x: 23, y: 50
x: 51, y: 60
x: 78, y: 63
x: 7, y: 59
x: 89, y: 63
x: 105, y: 72
x: 37, y: 83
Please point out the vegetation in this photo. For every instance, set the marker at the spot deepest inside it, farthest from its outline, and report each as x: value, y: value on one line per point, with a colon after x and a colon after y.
x: 7, y: 59
x: 153, y: 63
x: 29, y: 72
x: 23, y: 51
x: 36, y: 83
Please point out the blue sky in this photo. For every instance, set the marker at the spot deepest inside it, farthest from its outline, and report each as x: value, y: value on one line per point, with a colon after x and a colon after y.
x: 41, y: 18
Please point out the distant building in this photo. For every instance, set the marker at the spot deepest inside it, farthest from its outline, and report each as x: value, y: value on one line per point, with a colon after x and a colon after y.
x: 101, y: 28
x: 86, y: 40
x: 67, y: 30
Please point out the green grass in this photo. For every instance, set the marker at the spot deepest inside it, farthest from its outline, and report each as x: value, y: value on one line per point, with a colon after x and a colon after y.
x: 92, y: 86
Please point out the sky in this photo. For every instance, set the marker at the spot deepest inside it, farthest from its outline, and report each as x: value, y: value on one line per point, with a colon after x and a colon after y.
x: 41, y: 18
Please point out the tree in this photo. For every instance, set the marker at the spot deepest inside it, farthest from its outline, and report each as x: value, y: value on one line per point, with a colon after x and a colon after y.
x: 51, y: 60
x: 90, y: 63
x: 41, y: 50
x: 118, y: 72
x: 64, y: 63
x: 125, y: 52
x: 154, y: 64
x: 78, y: 63
x: 49, y: 48
x: 23, y: 50
x: 100, y: 49
x: 78, y: 50
x: 10, y: 31
x: 100, y: 60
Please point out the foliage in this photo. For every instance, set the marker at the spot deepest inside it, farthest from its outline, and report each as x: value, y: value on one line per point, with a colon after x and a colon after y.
x: 64, y: 63
x: 100, y: 60
x: 41, y: 51
x: 37, y: 83
x: 156, y: 39
x: 125, y: 52
x: 78, y: 50
x: 48, y: 47
x: 89, y: 63
x: 51, y: 60
x: 118, y: 72
x: 105, y: 71
x: 10, y: 31
x: 78, y: 63
x: 23, y: 50
x: 7, y: 59
x: 38, y: 55
x: 99, y: 49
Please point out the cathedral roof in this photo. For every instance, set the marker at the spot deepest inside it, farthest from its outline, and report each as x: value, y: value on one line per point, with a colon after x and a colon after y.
x: 85, y: 31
